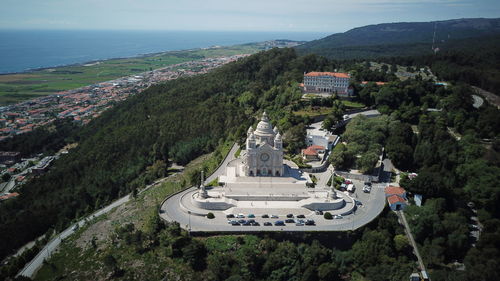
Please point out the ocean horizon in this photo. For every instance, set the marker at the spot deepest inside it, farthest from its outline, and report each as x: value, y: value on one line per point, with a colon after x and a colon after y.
x: 23, y: 50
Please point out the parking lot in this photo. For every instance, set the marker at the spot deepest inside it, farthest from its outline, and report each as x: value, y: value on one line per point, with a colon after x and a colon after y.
x: 369, y: 206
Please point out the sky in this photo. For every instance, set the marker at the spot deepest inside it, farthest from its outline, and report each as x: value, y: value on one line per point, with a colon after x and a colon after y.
x: 233, y: 15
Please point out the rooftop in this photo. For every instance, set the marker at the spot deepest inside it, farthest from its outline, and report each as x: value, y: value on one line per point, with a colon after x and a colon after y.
x: 394, y: 199
x: 333, y: 74
x: 394, y: 190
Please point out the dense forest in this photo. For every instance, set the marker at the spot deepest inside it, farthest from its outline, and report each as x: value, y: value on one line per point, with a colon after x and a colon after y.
x: 184, y: 118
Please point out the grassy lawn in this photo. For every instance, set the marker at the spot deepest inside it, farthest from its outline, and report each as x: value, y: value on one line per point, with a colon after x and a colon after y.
x: 352, y: 104
x: 17, y: 87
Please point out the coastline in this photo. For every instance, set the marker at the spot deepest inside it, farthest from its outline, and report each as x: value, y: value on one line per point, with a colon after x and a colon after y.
x: 146, y: 55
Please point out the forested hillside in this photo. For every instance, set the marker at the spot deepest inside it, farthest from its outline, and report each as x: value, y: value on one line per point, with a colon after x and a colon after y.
x: 131, y: 144
x: 399, y: 39
x: 180, y: 119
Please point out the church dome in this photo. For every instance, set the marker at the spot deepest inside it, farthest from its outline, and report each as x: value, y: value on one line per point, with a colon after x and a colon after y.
x: 264, y: 127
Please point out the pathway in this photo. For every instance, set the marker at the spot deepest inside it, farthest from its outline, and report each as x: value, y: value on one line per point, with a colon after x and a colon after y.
x: 402, y: 217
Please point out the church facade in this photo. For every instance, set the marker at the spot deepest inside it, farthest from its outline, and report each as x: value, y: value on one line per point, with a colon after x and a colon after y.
x: 264, y: 150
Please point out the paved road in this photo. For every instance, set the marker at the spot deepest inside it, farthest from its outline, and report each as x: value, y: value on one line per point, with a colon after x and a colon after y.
x: 221, y: 170
x: 30, y: 268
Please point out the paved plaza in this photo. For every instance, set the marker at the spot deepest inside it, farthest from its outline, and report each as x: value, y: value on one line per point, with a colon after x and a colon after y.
x: 371, y: 206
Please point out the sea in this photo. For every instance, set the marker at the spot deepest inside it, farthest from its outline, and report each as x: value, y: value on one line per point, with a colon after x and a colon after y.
x: 22, y: 50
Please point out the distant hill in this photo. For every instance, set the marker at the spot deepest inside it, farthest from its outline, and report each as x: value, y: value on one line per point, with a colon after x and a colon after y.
x: 400, y: 39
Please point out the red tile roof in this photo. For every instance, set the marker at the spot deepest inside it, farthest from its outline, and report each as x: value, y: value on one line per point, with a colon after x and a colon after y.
x: 394, y: 190
x: 394, y: 199
x: 9, y: 195
x: 334, y: 74
x: 377, y: 83
x: 312, y: 150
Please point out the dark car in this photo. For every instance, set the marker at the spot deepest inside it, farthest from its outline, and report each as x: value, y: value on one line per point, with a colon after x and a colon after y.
x: 301, y: 216
x: 279, y: 223
x: 242, y: 221
x: 368, y: 183
x: 290, y: 221
x: 268, y: 223
x: 310, y: 222
x: 255, y: 223
x: 247, y: 223
x: 235, y: 223
x: 265, y: 216
x: 289, y: 216
x: 230, y: 216
x: 251, y: 221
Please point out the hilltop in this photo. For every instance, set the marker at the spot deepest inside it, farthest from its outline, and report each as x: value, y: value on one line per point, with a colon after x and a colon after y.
x: 400, y: 39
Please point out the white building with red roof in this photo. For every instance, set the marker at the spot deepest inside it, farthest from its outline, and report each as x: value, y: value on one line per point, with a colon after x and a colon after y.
x: 327, y: 82
x: 396, y: 197
x: 313, y: 152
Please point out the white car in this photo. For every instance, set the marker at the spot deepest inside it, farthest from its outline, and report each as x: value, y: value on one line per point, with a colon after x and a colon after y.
x: 337, y: 217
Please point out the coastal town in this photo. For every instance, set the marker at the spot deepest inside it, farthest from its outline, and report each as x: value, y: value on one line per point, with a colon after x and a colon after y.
x: 83, y: 104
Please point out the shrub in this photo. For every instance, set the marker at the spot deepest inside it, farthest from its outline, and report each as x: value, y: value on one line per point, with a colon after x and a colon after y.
x: 328, y: 216
x: 210, y: 215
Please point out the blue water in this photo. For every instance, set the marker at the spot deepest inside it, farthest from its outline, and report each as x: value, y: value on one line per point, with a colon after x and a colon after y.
x: 23, y: 50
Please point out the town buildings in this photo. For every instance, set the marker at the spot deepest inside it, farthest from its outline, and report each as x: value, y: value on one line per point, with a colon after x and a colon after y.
x: 83, y: 104
x: 328, y: 82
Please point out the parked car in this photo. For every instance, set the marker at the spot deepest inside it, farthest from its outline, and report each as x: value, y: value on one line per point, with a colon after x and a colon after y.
x: 310, y: 222
x: 289, y: 216
x: 351, y: 187
x: 251, y: 215
x: 242, y: 221
x: 290, y: 221
x: 235, y: 223
x: 274, y: 216
x: 230, y: 216
x: 241, y: 216
x: 247, y: 223
x: 301, y: 216
x: 348, y: 181
x: 255, y: 223
x: 265, y: 216
x: 281, y: 223
x: 268, y: 223
x: 299, y: 224
x: 318, y: 212
x: 337, y: 217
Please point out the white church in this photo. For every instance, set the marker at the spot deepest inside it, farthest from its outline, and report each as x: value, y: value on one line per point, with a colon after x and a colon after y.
x: 259, y: 181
